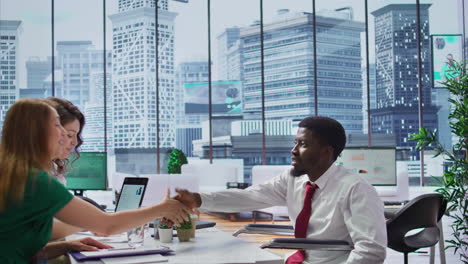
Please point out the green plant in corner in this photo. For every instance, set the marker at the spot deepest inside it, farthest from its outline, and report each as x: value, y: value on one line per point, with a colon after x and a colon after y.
x: 455, y: 180
x: 176, y: 160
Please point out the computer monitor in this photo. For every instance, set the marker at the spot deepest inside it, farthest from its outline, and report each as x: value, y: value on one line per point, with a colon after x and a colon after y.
x: 377, y: 164
x: 89, y: 172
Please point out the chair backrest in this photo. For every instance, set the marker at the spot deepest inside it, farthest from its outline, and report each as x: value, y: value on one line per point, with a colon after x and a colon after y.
x: 158, y: 183
x: 211, y: 177
x: 262, y: 173
x: 424, y: 212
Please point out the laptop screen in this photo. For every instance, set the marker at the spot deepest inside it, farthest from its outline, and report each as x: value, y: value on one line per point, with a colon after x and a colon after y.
x: 131, y: 194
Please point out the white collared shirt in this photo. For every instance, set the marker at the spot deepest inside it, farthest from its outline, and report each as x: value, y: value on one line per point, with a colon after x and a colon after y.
x: 344, y: 207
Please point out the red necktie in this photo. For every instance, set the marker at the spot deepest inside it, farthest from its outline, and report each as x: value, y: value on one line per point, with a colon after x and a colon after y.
x: 302, y: 221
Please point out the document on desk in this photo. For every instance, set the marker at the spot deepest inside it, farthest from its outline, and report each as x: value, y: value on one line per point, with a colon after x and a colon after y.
x: 215, y: 252
x: 135, y: 260
x: 210, y: 259
x: 118, y: 252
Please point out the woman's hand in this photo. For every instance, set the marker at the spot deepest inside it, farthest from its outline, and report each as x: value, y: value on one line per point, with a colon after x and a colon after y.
x: 59, y: 248
x: 174, y: 210
x: 85, y: 244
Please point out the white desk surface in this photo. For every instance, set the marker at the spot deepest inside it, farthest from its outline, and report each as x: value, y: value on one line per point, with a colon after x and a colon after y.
x: 210, y: 246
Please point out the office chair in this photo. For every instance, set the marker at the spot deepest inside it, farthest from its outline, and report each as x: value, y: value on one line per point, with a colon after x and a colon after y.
x: 91, y: 201
x: 424, y: 211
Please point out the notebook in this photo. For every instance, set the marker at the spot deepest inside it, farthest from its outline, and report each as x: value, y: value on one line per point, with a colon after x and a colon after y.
x: 113, y: 253
x: 131, y: 193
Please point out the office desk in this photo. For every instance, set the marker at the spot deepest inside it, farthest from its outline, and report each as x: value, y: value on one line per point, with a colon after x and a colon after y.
x: 210, y: 246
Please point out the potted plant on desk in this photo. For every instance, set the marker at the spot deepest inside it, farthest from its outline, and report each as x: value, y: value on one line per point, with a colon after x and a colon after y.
x: 165, y: 228
x: 184, y: 231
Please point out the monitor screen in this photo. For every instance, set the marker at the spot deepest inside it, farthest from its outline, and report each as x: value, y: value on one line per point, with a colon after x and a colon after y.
x: 89, y: 172
x: 376, y: 165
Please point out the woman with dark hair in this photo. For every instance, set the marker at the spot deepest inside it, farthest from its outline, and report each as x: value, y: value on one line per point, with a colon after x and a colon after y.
x: 32, y: 137
x: 73, y: 121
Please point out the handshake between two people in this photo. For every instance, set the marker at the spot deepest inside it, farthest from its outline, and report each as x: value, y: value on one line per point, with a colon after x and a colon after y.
x: 179, y: 206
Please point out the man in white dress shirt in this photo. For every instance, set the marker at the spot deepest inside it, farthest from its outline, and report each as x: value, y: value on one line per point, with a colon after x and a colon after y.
x: 344, y: 207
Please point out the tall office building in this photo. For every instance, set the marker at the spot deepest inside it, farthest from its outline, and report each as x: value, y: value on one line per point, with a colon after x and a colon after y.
x: 133, y: 79
x: 189, y: 72
x: 288, y: 53
x: 193, y: 102
x: 372, y: 99
x: 397, y: 73
x: 234, y: 62
x: 226, y: 41
x: 125, y: 5
x: 229, y: 59
x: 9, y: 90
x: 77, y: 61
x: 94, y: 112
x: 188, y: 124
x: 284, y: 127
x: 58, y: 81
x: 37, y: 71
x: 34, y: 93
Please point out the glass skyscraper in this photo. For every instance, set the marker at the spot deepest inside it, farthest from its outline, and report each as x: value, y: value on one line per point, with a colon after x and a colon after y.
x: 289, y: 91
x: 133, y: 79
x: 9, y: 90
x: 397, y: 73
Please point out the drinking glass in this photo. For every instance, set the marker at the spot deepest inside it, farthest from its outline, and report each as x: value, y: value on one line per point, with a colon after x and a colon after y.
x: 136, y: 236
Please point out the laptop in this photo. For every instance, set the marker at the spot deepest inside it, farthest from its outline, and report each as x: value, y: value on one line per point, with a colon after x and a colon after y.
x: 131, y: 194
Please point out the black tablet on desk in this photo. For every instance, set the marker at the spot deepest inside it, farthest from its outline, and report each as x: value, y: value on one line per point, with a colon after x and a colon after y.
x: 204, y: 224
x: 131, y: 193
x: 200, y: 224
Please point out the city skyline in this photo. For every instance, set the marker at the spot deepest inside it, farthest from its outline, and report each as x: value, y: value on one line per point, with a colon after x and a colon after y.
x: 132, y: 103
x: 58, y: 48
x: 70, y: 25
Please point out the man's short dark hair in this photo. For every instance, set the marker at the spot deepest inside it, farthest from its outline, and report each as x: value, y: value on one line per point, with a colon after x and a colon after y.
x: 329, y: 131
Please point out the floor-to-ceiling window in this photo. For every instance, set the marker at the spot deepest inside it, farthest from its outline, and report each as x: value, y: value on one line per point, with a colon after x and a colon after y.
x: 153, y: 92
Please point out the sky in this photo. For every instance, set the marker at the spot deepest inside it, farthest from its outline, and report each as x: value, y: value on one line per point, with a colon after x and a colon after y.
x: 74, y: 20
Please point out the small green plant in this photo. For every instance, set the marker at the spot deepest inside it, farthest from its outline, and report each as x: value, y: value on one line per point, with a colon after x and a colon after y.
x: 186, y: 224
x: 165, y: 223
x: 455, y: 180
x: 176, y: 160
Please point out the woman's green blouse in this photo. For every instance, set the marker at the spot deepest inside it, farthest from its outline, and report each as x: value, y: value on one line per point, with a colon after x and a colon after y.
x: 26, y: 227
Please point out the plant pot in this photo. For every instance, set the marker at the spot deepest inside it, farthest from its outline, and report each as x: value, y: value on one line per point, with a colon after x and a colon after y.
x: 192, y: 230
x: 194, y: 226
x: 165, y: 235
x: 184, y: 234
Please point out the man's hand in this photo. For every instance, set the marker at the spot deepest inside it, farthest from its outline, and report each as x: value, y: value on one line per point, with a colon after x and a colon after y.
x: 191, y: 200
x: 174, y: 210
x: 85, y: 244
